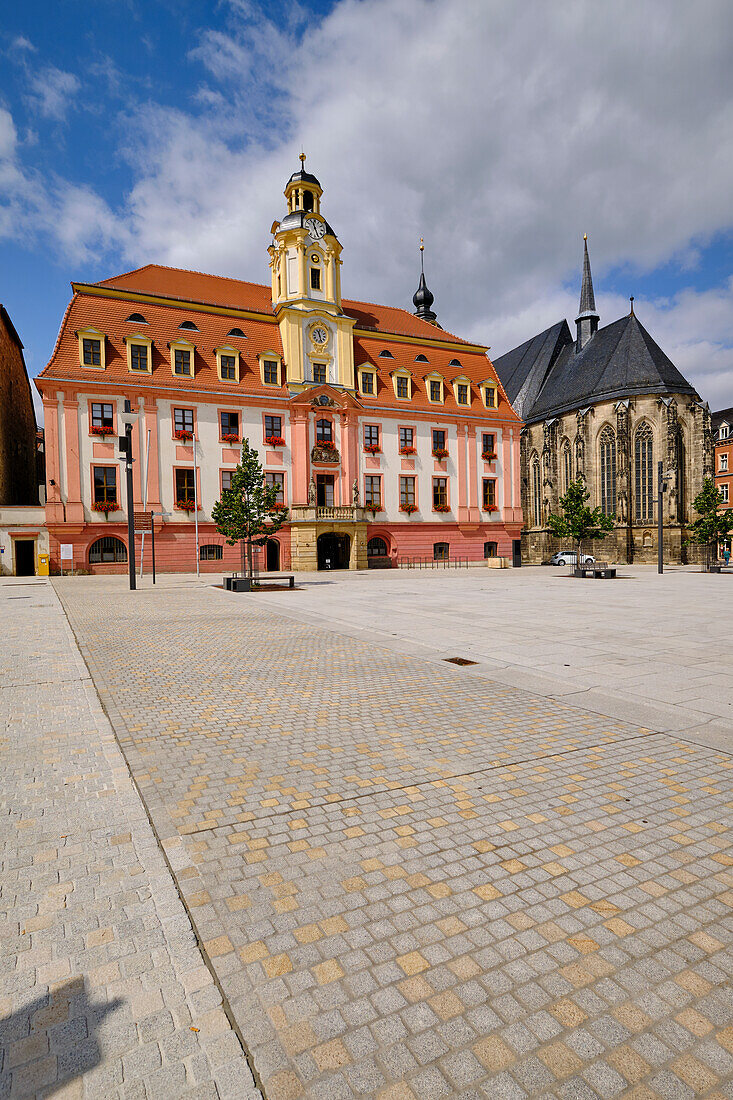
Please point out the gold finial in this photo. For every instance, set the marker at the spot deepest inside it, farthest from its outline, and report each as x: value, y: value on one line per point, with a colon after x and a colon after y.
x: 585, y: 236
x: 422, y: 246
x: 302, y: 159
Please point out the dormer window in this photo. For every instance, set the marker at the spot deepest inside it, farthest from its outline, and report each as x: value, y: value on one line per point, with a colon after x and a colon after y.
x: 139, y: 354
x: 455, y: 363
x: 270, y: 367
x: 386, y: 354
x: 182, y: 353
x: 136, y: 318
x: 367, y: 382
x: 462, y: 390
x: 236, y: 332
x: 489, y: 393
x: 227, y: 361
x: 189, y: 326
x: 421, y: 359
x: 434, y: 386
x: 138, y: 357
x: 402, y: 381
x: 91, y: 348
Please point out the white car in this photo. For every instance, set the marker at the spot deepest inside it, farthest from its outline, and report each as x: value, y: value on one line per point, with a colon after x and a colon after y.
x: 569, y: 557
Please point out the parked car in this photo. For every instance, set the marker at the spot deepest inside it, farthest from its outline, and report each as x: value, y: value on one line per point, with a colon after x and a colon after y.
x: 569, y: 557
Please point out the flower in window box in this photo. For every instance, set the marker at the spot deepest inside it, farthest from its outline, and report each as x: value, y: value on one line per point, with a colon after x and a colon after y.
x: 407, y: 450
x: 275, y: 440
x: 186, y: 505
x: 373, y: 508
x: 326, y: 444
x: 441, y: 508
x: 409, y: 508
x: 488, y: 456
x: 278, y: 507
x: 105, y: 506
x: 490, y: 508
x: 183, y: 434
x: 372, y: 448
x: 102, y: 429
x: 230, y: 437
x: 440, y: 452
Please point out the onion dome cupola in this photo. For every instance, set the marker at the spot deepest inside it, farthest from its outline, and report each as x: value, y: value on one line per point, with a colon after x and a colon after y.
x: 587, y: 320
x: 303, y: 191
x: 422, y: 298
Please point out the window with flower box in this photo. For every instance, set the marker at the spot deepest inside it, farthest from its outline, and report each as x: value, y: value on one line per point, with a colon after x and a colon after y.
x: 407, y: 441
x: 371, y: 438
x: 488, y: 446
x: 440, y: 494
x: 183, y: 424
x: 105, y: 488
x: 185, y: 494
x: 324, y: 431
x: 278, y: 480
x: 102, y: 418
x: 373, y: 491
x: 274, y: 431
x: 439, y: 448
x: 489, y: 494
x: 229, y: 427
x: 407, y: 494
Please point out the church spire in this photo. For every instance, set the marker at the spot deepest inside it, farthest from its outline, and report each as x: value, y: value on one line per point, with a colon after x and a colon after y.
x: 422, y: 298
x: 587, y: 319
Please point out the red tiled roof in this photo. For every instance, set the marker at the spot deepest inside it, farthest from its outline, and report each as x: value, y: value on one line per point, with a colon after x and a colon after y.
x: 196, y: 286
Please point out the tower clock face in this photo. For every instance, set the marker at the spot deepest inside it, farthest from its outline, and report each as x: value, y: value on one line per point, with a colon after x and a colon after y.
x: 315, y: 228
x: 319, y: 335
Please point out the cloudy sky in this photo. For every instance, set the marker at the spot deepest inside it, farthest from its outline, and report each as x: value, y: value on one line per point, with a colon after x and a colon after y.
x: 134, y: 131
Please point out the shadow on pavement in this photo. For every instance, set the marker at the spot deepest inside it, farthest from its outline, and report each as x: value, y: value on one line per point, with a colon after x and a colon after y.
x: 49, y: 1042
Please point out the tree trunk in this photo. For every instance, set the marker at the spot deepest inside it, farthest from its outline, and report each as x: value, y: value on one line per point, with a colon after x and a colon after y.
x: 250, y: 563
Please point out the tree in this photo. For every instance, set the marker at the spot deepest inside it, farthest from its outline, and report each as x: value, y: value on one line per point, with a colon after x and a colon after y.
x: 713, y: 526
x: 578, y: 521
x: 249, y: 511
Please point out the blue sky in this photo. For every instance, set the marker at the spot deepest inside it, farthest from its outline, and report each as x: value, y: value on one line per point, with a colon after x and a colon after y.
x: 164, y: 132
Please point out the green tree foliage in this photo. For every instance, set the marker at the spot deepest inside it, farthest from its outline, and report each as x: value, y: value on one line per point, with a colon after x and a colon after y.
x: 713, y: 525
x: 249, y: 511
x: 577, y: 521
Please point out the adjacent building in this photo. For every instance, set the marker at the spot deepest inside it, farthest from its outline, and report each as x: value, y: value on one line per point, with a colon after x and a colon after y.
x: 722, y: 424
x: 22, y: 534
x: 607, y: 405
x: 388, y: 438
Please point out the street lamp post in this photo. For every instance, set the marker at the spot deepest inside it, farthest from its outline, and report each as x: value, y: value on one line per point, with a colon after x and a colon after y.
x: 128, y: 419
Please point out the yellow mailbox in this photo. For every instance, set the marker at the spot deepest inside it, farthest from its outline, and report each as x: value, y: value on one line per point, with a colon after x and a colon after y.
x: 43, y: 562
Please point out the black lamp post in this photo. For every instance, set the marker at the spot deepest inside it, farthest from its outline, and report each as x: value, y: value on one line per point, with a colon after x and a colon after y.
x: 128, y: 419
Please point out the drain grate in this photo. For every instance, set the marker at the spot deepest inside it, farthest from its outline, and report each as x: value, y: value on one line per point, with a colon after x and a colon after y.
x: 459, y: 661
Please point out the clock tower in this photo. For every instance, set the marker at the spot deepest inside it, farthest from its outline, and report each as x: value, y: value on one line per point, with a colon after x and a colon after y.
x: 305, y: 263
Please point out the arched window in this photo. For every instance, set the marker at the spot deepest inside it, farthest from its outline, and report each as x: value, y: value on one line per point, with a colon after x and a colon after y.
x: 210, y: 552
x: 236, y: 332
x: 644, y: 474
x: 137, y: 318
x: 681, y: 456
x: 189, y: 326
x: 566, y: 465
x: 536, y: 492
x: 607, y: 456
x: 107, y: 549
x: 376, y: 548
x: 324, y: 431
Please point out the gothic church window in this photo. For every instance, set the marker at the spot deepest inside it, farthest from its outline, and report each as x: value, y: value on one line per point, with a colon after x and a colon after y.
x: 567, y: 466
x: 536, y: 492
x: 644, y: 474
x: 607, y: 455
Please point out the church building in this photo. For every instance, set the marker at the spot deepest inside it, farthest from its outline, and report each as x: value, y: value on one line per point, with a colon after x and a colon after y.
x: 389, y: 439
x: 607, y: 405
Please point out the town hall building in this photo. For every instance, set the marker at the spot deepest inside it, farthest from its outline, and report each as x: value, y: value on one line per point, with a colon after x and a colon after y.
x: 607, y: 405
x: 389, y: 439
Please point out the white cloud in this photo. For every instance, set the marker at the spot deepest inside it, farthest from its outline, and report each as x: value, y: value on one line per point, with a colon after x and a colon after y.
x: 53, y: 91
x: 499, y: 132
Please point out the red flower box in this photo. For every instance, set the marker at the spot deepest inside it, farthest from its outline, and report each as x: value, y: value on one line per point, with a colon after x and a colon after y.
x: 186, y: 505
x: 373, y: 508
x: 409, y: 508
x: 101, y: 429
x: 230, y: 437
x: 440, y: 452
x: 490, y: 508
x: 105, y: 506
x: 275, y: 440
x: 488, y: 456
x: 441, y: 508
x: 407, y: 450
x: 183, y: 435
x: 326, y: 444
x: 372, y: 448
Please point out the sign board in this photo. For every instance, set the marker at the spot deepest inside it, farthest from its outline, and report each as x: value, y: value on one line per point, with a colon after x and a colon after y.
x: 67, y: 551
x: 143, y: 521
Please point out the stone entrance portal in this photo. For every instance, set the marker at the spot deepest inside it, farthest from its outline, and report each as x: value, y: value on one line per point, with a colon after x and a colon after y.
x: 333, y: 551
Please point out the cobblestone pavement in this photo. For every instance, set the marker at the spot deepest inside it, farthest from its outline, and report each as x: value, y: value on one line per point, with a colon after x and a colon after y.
x: 416, y: 883
x: 104, y: 992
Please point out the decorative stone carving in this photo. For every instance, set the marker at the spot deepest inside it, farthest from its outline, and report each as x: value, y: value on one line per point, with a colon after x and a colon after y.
x: 355, y: 492
x: 325, y: 454
x: 312, y: 492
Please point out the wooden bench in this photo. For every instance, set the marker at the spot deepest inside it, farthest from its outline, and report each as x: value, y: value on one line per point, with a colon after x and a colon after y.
x: 239, y: 583
x: 289, y: 577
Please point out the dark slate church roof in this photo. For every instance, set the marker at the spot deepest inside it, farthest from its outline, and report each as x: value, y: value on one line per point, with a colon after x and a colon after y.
x: 547, y: 377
